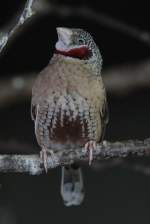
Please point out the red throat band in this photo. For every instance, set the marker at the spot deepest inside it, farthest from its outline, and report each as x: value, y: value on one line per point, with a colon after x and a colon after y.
x: 81, y: 53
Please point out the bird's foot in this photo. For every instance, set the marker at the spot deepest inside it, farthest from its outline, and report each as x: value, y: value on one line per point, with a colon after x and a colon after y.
x: 44, y: 158
x: 89, y: 147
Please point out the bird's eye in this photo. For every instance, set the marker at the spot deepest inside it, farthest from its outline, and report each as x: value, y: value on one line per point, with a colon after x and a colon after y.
x: 80, y: 41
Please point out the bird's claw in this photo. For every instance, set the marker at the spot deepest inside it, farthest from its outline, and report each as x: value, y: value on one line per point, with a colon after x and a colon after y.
x: 44, y: 158
x: 89, y: 147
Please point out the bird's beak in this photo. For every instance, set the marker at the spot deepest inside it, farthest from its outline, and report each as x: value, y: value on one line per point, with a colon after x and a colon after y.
x: 64, y: 35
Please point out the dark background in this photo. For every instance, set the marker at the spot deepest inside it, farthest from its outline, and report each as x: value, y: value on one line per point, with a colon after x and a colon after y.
x: 114, y: 195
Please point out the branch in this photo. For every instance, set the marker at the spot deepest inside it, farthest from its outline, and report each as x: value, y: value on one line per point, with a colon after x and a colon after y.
x: 32, y: 163
x: 87, y: 13
x: 127, y: 78
x: 118, y: 80
x: 19, y: 88
x: 82, y: 11
x: 27, y: 13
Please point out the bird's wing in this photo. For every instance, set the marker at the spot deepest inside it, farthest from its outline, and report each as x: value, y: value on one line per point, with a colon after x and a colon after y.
x: 99, y: 101
x: 104, y: 115
x: 39, y: 91
x: 33, y: 111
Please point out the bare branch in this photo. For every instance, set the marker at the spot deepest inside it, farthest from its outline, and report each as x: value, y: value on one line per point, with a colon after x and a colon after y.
x: 84, y: 11
x: 127, y: 78
x: 27, y: 13
x: 118, y: 80
x: 19, y: 88
x: 32, y: 163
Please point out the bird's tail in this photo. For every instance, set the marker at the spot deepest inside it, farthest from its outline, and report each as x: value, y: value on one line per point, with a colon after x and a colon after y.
x: 72, y: 189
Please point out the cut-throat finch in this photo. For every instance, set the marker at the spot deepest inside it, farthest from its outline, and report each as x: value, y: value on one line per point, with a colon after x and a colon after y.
x: 69, y: 106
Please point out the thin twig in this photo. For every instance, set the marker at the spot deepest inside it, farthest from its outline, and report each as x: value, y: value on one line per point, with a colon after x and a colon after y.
x: 25, y: 15
x: 19, y: 88
x: 103, y: 19
x: 32, y: 163
x: 126, y: 78
x: 82, y: 11
x: 118, y: 80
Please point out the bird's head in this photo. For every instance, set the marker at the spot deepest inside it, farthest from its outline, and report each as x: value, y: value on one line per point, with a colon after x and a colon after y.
x: 78, y: 44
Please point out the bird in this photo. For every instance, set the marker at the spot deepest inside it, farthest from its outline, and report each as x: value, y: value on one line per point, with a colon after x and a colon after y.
x: 69, y: 105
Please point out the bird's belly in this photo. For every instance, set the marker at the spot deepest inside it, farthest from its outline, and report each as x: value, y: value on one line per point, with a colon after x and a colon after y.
x: 69, y: 123
x: 70, y: 134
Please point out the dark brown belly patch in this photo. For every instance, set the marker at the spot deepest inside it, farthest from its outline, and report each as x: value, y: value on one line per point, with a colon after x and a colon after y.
x: 72, y: 133
x: 62, y: 127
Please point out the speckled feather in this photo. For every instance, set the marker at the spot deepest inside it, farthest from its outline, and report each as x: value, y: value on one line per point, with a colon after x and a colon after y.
x: 68, y: 104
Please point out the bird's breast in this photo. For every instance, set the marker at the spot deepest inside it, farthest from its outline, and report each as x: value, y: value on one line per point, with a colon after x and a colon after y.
x: 69, y: 104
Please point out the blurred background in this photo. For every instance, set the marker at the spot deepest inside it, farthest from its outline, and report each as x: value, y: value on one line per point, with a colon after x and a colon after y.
x: 116, y: 192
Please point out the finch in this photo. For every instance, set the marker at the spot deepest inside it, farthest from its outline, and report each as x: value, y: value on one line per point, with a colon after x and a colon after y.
x: 69, y: 105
